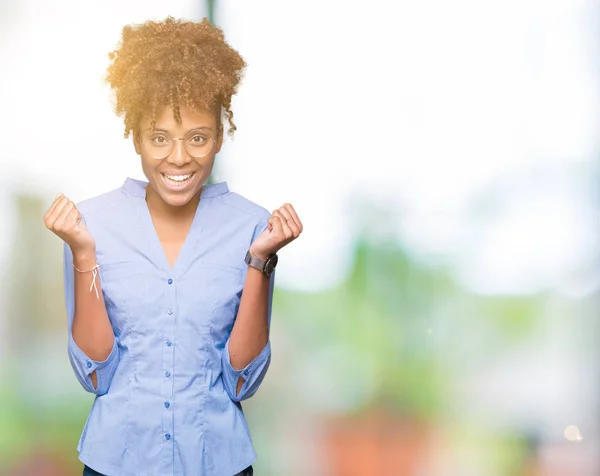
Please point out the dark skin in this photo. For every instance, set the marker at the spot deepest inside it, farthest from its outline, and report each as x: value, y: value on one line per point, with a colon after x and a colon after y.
x: 173, y: 194
x: 172, y: 211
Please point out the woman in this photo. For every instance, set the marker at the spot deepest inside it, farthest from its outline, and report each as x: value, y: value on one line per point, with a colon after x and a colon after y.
x: 169, y: 282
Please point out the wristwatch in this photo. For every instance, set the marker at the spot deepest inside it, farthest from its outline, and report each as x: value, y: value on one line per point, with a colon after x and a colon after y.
x: 265, y: 266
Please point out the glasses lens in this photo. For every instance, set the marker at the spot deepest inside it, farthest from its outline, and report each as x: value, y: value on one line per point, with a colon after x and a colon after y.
x: 198, y: 143
x: 158, y: 145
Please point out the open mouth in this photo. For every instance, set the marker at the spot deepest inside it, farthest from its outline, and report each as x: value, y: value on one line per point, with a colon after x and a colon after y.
x: 177, y: 181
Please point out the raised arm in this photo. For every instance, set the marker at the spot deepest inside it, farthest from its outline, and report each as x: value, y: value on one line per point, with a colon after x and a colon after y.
x: 93, y: 349
x: 247, y: 353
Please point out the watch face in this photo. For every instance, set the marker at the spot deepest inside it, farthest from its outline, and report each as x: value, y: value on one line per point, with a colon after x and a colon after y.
x: 270, y: 264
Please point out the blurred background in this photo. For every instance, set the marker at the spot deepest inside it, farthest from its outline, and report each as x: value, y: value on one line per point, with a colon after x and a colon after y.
x: 438, y: 316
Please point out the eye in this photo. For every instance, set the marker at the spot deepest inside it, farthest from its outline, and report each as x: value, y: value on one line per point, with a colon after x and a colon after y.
x: 159, y: 140
x: 197, y: 139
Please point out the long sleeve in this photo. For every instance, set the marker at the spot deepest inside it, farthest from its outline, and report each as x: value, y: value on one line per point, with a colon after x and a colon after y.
x: 81, y: 363
x: 254, y: 373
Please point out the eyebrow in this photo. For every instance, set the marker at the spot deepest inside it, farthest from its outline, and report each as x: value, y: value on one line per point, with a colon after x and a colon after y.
x: 199, y: 128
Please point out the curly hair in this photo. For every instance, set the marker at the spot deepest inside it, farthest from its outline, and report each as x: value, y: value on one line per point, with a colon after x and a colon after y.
x: 173, y: 63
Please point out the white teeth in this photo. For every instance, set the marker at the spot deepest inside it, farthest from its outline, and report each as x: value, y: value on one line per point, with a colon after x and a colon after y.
x: 178, y: 178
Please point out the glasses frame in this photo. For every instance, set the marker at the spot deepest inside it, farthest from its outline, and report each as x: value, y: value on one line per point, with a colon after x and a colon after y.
x: 142, y: 143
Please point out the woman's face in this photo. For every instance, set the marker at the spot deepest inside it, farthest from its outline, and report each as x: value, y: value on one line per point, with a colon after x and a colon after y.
x: 187, y: 163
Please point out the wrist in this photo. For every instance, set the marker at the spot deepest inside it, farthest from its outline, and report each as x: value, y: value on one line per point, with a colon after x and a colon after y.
x: 260, y: 254
x: 265, y: 265
x: 84, y: 258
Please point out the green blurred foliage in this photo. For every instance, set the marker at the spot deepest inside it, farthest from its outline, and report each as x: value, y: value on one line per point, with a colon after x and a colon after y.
x: 402, y: 318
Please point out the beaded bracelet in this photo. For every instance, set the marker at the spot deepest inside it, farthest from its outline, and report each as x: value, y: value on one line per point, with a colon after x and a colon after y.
x: 94, y: 272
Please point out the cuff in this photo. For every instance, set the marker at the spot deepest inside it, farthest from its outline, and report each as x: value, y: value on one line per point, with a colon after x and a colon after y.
x: 252, y: 373
x: 89, y: 365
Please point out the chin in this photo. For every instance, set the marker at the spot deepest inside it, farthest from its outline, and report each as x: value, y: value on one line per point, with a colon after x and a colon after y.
x: 177, y: 199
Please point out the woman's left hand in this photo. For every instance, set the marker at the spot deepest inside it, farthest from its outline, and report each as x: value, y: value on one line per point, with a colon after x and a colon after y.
x: 284, y: 226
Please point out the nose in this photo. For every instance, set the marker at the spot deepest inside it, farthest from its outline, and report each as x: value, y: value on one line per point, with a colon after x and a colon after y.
x: 179, y: 156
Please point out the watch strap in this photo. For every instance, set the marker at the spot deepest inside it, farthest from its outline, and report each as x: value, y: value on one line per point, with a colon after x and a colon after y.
x: 255, y: 261
x: 259, y: 263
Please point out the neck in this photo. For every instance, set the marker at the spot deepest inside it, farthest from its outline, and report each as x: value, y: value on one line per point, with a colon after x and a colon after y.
x: 163, y: 211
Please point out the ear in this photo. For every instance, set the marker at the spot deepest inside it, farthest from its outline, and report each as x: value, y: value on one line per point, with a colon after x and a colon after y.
x: 219, y: 139
x: 136, y: 143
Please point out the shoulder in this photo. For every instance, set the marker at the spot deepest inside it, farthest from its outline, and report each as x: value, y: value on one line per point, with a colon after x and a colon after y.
x: 95, y: 206
x: 242, y: 208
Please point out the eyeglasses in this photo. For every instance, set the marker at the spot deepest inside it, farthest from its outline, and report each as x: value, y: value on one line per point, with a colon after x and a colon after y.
x: 159, y: 145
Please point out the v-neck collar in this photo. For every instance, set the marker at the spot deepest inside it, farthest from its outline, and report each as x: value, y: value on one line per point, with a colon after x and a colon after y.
x: 149, y: 236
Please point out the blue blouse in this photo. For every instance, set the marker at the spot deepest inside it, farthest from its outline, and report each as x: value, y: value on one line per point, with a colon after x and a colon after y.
x: 166, y: 400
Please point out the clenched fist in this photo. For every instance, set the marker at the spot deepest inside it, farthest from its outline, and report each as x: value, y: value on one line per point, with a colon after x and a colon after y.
x: 283, y: 227
x: 64, y: 220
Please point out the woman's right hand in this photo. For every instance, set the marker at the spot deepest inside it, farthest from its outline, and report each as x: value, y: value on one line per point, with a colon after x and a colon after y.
x: 65, y: 221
